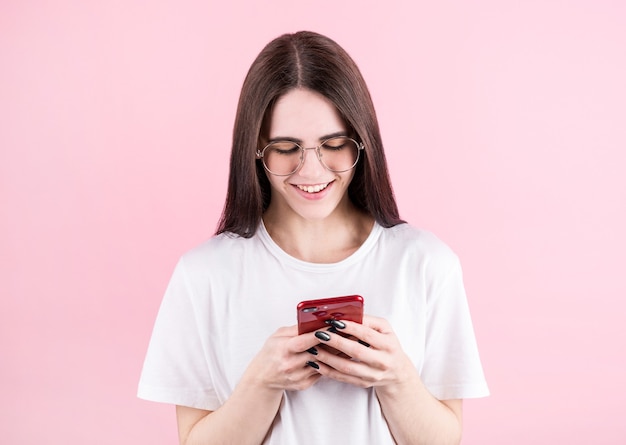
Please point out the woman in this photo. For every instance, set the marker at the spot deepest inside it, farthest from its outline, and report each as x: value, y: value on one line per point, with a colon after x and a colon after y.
x: 310, y: 214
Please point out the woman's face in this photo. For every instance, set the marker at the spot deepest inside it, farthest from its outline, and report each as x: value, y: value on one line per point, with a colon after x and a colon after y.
x: 313, y: 192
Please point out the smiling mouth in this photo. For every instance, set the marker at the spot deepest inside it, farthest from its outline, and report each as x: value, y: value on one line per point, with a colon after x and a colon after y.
x: 312, y: 188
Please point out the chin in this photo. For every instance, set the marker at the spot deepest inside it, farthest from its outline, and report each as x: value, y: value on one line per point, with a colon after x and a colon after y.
x: 314, y: 211
x: 314, y: 216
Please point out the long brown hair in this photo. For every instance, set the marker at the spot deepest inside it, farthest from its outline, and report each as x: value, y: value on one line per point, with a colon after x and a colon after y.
x: 315, y: 62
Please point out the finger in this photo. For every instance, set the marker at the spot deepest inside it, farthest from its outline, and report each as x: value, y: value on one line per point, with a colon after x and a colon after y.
x: 303, y: 378
x: 312, y: 364
x: 351, y: 372
x: 363, y: 334
x: 302, y: 343
x: 329, y: 349
x: 342, y: 363
x: 301, y: 365
x: 338, y: 328
x: 344, y: 345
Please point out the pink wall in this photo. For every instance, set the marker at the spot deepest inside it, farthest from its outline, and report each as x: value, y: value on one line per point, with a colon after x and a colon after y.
x: 505, y: 125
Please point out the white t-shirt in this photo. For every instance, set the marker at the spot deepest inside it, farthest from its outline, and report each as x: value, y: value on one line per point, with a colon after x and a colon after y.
x: 228, y: 295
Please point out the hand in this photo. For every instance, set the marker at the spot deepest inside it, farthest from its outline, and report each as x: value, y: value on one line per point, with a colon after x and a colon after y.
x: 380, y: 364
x: 281, y: 364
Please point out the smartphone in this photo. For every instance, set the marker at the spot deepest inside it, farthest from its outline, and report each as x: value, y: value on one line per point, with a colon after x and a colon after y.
x: 312, y: 314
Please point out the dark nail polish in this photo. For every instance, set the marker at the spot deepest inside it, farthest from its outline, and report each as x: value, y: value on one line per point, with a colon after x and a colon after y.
x: 338, y: 324
x: 313, y: 365
x: 322, y: 335
x: 312, y: 350
x: 333, y: 330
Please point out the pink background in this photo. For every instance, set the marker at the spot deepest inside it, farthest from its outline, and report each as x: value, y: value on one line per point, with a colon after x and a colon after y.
x: 505, y: 126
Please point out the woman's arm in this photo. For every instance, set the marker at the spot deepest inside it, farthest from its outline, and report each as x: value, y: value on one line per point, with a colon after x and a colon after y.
x: 414, y: 416
x: 246, y: 417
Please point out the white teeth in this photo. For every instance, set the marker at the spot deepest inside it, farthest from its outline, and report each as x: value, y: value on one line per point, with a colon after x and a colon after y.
x: 312, y: 188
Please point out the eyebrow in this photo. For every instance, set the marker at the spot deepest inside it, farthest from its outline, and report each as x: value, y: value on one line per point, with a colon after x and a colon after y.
x: 299, y: 141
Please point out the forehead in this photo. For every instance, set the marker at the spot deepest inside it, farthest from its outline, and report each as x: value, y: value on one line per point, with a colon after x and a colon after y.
x: 305, y: 115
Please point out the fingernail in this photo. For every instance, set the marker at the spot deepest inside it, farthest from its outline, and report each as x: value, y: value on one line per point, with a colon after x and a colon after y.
x: 322, y: 335
x: 332, y: 329
x: 312, y: 350
x: 338, y: 324
x: 313, y: 365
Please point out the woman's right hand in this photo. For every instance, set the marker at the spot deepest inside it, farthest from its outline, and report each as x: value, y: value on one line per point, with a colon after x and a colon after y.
x: 282, y: 362
x: 280, y: 365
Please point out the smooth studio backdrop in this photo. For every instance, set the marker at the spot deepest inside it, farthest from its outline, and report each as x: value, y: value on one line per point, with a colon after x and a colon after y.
x: 505, y: 128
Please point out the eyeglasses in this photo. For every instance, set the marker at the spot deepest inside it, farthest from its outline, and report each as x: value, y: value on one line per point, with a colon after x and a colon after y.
x: 284, y: 158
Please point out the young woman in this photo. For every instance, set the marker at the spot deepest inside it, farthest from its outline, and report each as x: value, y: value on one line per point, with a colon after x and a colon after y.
x: 310, y: 214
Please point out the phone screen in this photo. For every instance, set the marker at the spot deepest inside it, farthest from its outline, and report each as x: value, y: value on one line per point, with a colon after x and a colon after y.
x: 312, y: 314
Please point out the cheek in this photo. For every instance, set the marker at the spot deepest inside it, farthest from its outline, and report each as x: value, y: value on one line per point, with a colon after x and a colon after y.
x: 278, y: 185
x: 349, y: 176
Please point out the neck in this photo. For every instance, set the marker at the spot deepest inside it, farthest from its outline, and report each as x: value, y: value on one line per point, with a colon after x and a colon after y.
x: 327, y: 240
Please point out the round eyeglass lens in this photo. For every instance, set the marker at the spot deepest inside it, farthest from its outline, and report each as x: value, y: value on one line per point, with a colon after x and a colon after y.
x: 337, y: 154
x: 282, y: 157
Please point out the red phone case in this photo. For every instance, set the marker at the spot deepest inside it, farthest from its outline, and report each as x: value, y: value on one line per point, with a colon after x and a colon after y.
x: 312, y: 314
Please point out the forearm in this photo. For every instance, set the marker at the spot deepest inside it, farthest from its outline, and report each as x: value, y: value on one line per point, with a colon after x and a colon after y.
x: 244, y: 419
x: 415, y: 417
x: 248, y: 414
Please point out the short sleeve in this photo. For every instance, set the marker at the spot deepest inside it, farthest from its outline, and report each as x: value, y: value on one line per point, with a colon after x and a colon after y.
x: 175, y: 369
x: 452, y: 367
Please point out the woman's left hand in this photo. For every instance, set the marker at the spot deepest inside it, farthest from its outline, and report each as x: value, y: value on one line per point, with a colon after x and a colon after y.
x: 376, y: 361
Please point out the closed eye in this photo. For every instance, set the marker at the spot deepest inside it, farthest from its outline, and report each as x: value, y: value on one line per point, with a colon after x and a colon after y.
x: 336, y: 144
x: 284, y: 147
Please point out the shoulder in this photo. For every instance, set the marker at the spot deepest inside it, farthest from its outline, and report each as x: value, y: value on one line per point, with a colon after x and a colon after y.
x: 423, y: 241
x: 216, y: 245
x: 425, y: 246
x: 218, y: 253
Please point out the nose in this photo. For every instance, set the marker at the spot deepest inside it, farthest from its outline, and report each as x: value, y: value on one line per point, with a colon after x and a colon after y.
x: 311, y: 165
